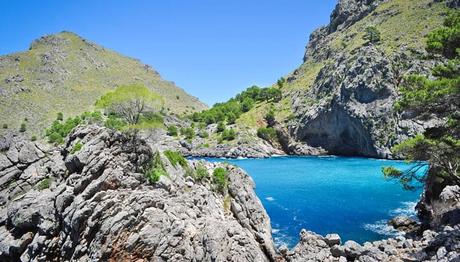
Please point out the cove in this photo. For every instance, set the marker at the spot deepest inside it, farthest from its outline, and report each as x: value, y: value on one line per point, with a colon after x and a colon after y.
x: 343, y: 195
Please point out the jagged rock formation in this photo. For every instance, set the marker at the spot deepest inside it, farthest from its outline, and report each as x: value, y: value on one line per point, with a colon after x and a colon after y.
x: 431, y: 246
x: 60, y: 204
x: 342, y: 97
x: 95, y: 204
x: 66, y: 73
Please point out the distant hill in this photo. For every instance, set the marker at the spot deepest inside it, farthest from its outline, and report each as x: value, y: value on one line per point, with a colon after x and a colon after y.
x: 66, y: 73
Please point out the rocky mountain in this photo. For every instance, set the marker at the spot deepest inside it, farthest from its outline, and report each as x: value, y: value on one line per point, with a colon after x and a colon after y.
x: 341, y: 99
x: 66, y: 73
x: 96, y: 204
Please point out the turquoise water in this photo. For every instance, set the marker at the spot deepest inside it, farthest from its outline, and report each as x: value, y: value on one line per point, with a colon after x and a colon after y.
x: 348, y: 196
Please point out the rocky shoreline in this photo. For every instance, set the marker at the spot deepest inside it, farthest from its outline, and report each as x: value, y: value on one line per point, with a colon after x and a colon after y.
x: 95, y: 204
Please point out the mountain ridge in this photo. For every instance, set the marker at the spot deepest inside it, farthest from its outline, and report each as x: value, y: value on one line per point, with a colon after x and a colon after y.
x: 66, y: 73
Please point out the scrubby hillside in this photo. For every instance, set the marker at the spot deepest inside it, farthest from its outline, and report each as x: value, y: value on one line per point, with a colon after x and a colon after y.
x: 66, y: 73
x: 343, y: 95
x: 341, y: 99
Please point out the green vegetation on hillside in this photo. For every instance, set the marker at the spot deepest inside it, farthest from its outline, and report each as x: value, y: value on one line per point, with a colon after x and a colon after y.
x: 219, y: 177
x: 437, y: 147
x: 155, y: 169
x: 131, y: 102
x: 231, y: 110
x: 65, y: 73
x: 176, y: 158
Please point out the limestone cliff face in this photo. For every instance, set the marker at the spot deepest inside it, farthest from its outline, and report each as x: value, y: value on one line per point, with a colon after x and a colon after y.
x: 95, y: 205
x: 343, y: 96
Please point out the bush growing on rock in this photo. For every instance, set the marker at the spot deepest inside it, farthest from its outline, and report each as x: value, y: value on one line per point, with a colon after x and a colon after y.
x: 372, y: 35
x: 220, y: 127
x: 188, y: 132
x: 114, y: 123
x: 60, y: 116
x: 267, y: 133
x: 5, y: 126
x: 33, y: 138
x: 176, y: 158
x: 44, y: 184
x: 154, y: 174
x: 201, y: 172
x: 270, y: 116
x: 219, y: 177
x: 77, y: 147
x: 172, y: 131
x: 156, y: 169
x: 203, y: 134
x: 228, y: 134
x: 23, y: 128
x: 59, y: 130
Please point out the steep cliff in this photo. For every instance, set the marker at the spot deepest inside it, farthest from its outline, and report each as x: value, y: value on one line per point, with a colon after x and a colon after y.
x: 341, y: 99
x: 92, y: 204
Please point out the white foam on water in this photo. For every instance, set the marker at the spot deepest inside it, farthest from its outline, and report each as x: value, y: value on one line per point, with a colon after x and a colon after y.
x: 407, y: 209
x: 270, y: 198
x: 381, y: 227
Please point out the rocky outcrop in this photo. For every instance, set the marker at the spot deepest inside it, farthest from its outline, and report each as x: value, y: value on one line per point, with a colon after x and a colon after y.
x: 404, y: 224
x: 253, y: 147
x: 349, y: 107
x: 348, y: 12
x: 437, y: 209
x: 431, y: 246
x: 96, y: 204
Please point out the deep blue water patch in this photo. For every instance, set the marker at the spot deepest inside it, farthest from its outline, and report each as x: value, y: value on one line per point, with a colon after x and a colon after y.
x: 343, y: 195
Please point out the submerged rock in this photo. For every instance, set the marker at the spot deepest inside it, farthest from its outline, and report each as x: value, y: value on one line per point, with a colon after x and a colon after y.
x: 404, y: 224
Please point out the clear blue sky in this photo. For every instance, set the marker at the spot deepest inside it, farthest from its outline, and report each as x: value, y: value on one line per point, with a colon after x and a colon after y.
x: 211, y: 48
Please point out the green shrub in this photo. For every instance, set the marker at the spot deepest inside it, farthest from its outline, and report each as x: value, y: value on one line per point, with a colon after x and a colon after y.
x: 201, y: 172
x: 372, y: 35
x: 92, y: 117
x: 5, y: 126
x: 153, y: 175
x: 33, y: 138
x: 175, y: 158
x: 59, y: 130
x: 77, y: 147
x: 188, y: 132
x: 267, y: 133
x: 232, y: 109
x: 247, y: 104
x: 219, y: 177
x: 172, y: 131
x: 270, y: 116
x: 114, y: 123
x: 280, y: 82
x: 60, y: 116
x: 228, y: 134
x: 155, y: 169
x: 22, y: 129
x: 220, y: 127
x: 44, y: 184
x: 203, y: 134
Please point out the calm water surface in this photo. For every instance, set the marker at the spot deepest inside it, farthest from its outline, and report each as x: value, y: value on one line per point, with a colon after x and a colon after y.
x: 348, y: 196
